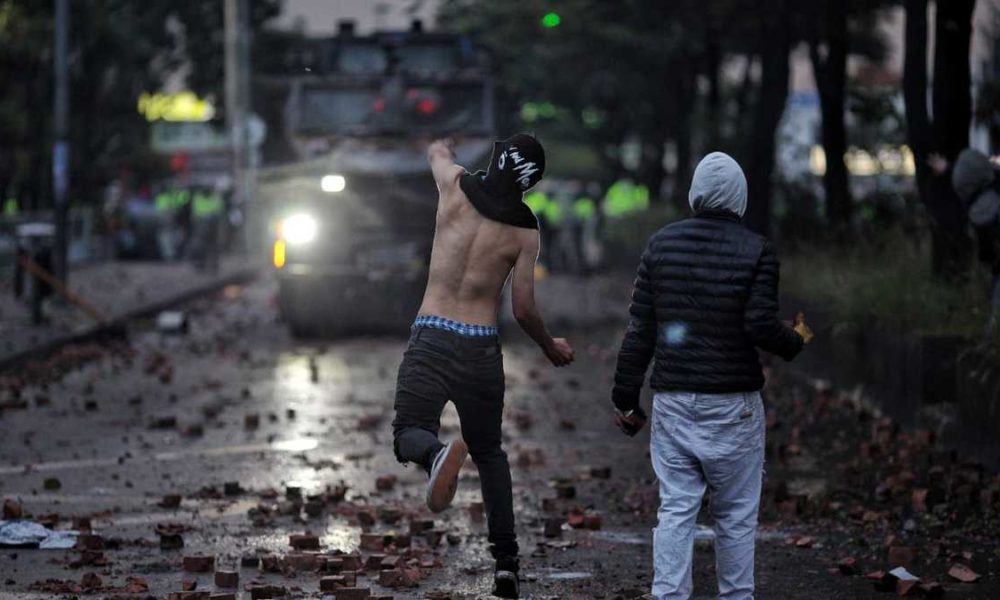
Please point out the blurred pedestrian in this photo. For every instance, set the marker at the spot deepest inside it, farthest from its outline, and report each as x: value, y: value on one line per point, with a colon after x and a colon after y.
x: 974, y: 179
x: 485, y: 234
x: 207, y: 213
x: 705, y: 297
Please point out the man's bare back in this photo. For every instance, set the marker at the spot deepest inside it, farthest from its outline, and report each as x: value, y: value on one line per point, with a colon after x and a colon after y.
x: 470, y: 262
x: 472, y: 258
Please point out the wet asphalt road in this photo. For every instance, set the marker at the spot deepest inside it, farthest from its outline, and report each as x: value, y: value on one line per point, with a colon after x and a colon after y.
x: 169, y: 414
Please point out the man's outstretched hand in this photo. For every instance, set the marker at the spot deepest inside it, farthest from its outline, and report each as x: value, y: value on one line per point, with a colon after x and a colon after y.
x: 560, y: 353
x: 444, y: 147
x: 633, y: 423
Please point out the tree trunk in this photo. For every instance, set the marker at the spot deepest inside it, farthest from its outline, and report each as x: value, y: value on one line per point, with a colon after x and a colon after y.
x: 831, y: 82
x: 774, y: 48
x: 685, y: 106
x: 949, y: 133
x: 713, y: 66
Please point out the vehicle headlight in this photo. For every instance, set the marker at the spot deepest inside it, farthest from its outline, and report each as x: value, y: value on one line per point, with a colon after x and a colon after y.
x: 299, y: 229
x: 333, y: 183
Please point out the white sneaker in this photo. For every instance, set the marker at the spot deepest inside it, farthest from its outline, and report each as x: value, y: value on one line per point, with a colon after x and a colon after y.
x: 444, y: 475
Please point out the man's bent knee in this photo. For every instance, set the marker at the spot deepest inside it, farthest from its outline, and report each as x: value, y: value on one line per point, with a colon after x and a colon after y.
x: 414, y: 444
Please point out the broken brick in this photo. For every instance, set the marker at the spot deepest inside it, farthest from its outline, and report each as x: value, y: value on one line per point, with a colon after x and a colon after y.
x: 136, y: 585
x: 351, y: 562
x: 170, y: 501
x: 314, y: 508
x: 89, y: 541
x: 269, y: 563
x: 188, y: 585
x: 332, y: 564
x: 385, y: 483
x: 11, y: 509
x: 250, y: 561
x: 389, y: 562
x: 907, y: 587
x: 420, y: 525
x: 600, y: 472
x: 372, y: 541
x: 171, y: 541
x: 390, y: 577
x: 227, y: 579
x: 566, y: 491
x: 553, y: 527
x: 303, y: 541
x: 366, y: 518
x: 353, y: 593
x: 302, y: 561
x: 91, y: 581
x: 332, y: 583
x: 962, y: 573
x: 374, y: 562
x: 263, y: 592
x: 476, y: 511
x: 199, y: 563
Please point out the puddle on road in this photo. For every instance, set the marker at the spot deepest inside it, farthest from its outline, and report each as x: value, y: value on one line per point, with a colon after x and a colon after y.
x: 621, y: 537
x: 292, y: 445
x: 568, y: 575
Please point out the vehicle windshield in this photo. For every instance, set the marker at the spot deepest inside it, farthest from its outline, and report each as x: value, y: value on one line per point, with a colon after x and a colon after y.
x: 393, y: 107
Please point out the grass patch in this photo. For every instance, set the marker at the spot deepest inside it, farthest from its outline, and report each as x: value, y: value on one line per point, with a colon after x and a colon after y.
x: 888, y: 283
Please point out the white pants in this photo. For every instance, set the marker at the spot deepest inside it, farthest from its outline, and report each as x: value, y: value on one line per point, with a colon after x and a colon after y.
x: 713, y: 441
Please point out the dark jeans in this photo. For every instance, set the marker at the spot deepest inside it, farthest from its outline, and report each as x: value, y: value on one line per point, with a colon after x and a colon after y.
x: 439, y: 366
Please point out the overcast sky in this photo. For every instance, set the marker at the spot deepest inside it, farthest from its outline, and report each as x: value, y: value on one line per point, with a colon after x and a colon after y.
x: 320, y: 17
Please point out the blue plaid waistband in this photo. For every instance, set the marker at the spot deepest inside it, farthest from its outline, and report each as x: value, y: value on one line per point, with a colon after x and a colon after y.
x: 455, y: 326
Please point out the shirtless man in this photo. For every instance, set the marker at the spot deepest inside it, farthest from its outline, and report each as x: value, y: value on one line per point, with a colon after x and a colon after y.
x: 484, y: 231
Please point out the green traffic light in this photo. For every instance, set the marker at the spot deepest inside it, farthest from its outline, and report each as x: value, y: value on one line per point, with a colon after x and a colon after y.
x: 551, y: 20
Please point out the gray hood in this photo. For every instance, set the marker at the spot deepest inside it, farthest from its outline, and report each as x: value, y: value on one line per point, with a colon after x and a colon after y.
x: 971, y: 175
x: 718, y: 184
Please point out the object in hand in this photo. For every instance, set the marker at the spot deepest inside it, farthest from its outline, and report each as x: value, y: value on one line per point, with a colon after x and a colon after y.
x: 802, y: 328
x: 632, y: 421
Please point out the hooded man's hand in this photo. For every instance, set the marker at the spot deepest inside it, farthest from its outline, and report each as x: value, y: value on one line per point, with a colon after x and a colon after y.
x: 631, y: 422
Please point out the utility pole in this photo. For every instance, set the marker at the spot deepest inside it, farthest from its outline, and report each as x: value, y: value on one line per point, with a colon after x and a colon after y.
x: 60, y: 146
x: 237, y: 48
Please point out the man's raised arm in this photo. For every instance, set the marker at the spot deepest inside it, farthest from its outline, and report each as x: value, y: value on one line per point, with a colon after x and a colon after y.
x: 522, y: 295
x: 442, y: 159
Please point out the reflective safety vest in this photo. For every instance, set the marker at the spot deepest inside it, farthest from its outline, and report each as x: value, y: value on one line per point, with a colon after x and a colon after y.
x: 624, y: 198
x: 10, y: 208
x: 170, y: 200
x: 584, y: 208
x: 536, y: 201
x: 553, y: 212
x: 206, y: 205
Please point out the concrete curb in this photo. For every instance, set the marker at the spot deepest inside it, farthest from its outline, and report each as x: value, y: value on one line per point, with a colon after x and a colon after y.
x: 117, y: 325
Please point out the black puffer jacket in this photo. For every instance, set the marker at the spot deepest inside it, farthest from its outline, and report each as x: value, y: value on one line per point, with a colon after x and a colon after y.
x: 705, y: 297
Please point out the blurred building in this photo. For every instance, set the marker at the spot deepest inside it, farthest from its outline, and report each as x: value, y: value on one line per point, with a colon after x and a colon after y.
x: 320, y: 17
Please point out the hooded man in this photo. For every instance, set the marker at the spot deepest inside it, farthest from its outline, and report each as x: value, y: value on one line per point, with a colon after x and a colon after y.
x: 705, y: 298
x: 975, y: 182
x: 484, y: 232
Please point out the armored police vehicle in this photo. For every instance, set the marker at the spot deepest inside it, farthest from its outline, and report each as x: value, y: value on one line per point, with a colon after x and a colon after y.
x: 353, y: 212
